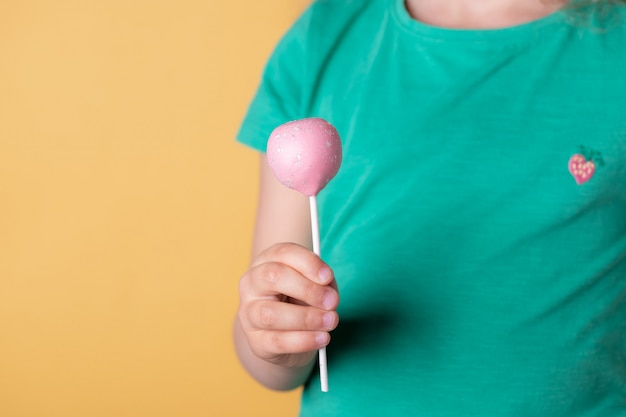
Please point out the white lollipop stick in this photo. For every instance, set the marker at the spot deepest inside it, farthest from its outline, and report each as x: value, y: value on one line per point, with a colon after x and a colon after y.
x: 315, y: 234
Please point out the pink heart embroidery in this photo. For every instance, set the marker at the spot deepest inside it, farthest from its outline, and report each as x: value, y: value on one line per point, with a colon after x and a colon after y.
x: 581, y: 169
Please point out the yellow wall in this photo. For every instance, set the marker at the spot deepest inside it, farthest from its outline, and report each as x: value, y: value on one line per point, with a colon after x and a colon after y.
x: 126, y: 206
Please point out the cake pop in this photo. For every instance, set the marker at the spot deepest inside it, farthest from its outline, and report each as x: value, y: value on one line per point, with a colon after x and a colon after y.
x: 305, y: 155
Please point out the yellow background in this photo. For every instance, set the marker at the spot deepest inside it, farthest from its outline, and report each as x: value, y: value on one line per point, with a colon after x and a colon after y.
x: 126, y: 207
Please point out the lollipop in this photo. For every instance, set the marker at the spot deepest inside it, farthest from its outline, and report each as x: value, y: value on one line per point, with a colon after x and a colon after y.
x: 305, y: 155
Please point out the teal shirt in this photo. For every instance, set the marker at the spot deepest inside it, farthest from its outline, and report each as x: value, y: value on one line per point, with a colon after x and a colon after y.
x: 477, y: 226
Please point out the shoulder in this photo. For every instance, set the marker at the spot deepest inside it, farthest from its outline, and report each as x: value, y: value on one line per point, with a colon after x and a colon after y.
x: 327, y: 29
x: 326, y: 20
x: 292, y: 72
x: 336, y: 9
x: 332, y: 27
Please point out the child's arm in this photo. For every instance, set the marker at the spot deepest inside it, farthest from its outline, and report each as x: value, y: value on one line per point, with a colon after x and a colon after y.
x: 287, y: 296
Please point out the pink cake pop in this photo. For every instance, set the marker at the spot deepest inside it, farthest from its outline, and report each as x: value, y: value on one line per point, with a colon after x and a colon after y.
x: 305, y: 155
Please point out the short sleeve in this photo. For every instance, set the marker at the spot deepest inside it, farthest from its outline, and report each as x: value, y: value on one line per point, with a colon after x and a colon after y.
x: 279, y: 96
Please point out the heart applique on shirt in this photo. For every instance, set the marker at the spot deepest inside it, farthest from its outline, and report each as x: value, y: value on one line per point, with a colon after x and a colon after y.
x: 582, y: 165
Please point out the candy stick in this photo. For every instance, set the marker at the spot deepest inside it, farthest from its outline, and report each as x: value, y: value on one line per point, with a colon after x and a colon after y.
x: 305, y: 155
x: 315, y: 233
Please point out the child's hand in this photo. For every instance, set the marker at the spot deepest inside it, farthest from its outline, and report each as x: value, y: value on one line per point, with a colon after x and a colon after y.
x: 287, y: 305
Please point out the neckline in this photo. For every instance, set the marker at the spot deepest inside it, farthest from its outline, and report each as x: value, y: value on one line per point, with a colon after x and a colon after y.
x: 496, y: 38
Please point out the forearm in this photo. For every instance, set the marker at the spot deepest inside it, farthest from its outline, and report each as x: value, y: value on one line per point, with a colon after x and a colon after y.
x: 276, y: 377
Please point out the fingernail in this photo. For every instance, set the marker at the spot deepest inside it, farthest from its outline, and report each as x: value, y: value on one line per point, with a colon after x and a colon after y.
x: 328, y: 320
x: 324, y: 274
x: 329, y: 300
x: 322, y: 339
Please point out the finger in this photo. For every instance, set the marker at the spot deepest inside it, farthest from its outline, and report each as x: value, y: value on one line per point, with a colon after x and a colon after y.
x: 272, y: 280
x: 299, y: 258
x: 276, y: 343
x: 274, y: 315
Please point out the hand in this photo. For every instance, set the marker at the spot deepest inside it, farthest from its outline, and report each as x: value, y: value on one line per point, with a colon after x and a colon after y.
x: 287, y: 305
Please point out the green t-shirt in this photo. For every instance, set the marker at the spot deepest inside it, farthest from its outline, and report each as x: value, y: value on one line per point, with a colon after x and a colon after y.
x: 477, y: 226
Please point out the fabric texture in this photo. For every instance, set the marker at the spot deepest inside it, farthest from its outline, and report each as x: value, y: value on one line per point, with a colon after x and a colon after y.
x: 477, y: 225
